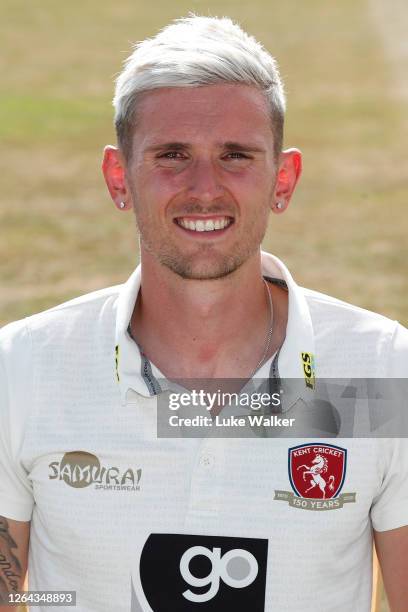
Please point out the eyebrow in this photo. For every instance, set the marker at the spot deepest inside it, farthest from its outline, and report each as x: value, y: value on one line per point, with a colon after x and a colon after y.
x: 241, y: 146
x: 229, y: 146
x: 177, y: 146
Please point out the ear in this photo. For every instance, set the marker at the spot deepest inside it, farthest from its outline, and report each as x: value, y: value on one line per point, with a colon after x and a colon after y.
x: 113, y: 168
x: 290, y: 168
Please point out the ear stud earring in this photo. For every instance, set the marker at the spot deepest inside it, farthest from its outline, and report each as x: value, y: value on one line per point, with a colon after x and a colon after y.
x: 279, y: 205
x: 122, y: 205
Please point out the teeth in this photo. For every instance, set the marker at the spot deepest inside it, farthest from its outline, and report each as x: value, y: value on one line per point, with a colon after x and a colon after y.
x: 202, y: 225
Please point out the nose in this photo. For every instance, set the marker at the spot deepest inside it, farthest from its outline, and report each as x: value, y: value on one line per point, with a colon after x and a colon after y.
x: 204, y: 181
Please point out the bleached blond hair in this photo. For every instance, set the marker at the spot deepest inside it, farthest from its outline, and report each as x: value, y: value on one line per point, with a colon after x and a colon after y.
x: 191, y: 52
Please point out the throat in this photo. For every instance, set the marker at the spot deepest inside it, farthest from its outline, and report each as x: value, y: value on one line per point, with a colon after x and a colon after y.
x: 232, y: 344
x: 197, y: 359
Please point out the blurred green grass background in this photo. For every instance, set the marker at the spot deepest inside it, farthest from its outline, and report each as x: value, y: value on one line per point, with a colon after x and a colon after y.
x: 343, y: 64
x: 346, y: 231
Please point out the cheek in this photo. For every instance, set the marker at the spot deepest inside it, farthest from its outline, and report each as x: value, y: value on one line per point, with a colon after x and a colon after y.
x: 257, y: 178
x: 149, y: 195
x: 158, y: 187
x: 254, y: 191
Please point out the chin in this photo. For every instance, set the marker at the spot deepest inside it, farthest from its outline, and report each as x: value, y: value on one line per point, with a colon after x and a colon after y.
x: 211, y: 269
x: 206, y: 263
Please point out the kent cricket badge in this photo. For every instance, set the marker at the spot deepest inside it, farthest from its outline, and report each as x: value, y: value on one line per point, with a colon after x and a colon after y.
x: 316, y: 474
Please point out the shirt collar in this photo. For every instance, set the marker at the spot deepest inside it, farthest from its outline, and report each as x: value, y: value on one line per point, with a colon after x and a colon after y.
x: 134, y: 371
x: 299, y: 331
x: 128, y: 359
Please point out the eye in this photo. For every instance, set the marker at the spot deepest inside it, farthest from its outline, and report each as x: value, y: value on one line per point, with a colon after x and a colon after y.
x: 171, y: 155
x: 171, y: 159
x: 236, y: 155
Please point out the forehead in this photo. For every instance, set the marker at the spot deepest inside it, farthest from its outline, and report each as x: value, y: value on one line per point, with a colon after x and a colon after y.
x: 233, y: 112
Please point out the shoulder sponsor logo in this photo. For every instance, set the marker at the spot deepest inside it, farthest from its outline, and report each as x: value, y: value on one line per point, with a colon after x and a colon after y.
x: 308, y: 364
x: 117, y: 355
x: 196, y: 572
x: 80, y: 469
x: 316, y: 473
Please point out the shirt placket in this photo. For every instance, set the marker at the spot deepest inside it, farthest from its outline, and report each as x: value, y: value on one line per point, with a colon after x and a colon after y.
x: 207, y: 475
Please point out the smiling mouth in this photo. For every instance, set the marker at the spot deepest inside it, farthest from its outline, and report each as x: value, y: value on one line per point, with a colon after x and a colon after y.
x: 209, y: 224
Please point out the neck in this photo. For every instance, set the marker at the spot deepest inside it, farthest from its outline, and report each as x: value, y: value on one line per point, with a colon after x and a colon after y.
x: 200, y: 329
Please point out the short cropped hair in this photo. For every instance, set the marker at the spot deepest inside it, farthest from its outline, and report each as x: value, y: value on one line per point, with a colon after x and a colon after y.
x: 193, y: 52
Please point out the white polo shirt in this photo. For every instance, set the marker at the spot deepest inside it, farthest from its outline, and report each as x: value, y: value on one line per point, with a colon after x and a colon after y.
x: 133, y: 522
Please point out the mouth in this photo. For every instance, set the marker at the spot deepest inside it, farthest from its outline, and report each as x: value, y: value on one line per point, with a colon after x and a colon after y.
x: 209, y: 226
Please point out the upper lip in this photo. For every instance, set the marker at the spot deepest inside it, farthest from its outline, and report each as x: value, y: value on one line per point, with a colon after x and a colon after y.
x: 204, y: 217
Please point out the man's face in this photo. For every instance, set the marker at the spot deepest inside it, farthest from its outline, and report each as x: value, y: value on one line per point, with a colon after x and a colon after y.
x: 201, y: 177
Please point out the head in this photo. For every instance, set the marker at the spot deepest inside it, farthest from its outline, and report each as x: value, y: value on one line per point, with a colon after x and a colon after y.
x: 193, y: 52
x: 199, y: 117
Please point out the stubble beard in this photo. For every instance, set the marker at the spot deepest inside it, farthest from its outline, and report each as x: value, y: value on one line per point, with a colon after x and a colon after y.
x: 203, y: 266
x: 207, y: 263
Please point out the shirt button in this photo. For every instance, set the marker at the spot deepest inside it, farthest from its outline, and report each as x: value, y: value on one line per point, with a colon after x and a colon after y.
x: 207, y: 460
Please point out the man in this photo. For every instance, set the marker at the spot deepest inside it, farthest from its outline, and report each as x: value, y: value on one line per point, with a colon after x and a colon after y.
x: 134, y: 521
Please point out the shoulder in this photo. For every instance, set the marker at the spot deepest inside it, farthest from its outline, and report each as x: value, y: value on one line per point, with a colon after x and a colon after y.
x: 327, y: 308
x: 73, y: 319
x: 370, y: 343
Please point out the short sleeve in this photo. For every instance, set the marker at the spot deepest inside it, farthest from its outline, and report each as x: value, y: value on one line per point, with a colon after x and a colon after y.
x: 390, y: 506
x: 16, y: 499
x: 398, y: 355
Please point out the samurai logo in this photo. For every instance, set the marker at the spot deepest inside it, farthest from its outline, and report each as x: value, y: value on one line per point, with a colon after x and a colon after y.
x: 80, y: 469
x: 316, y: 473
